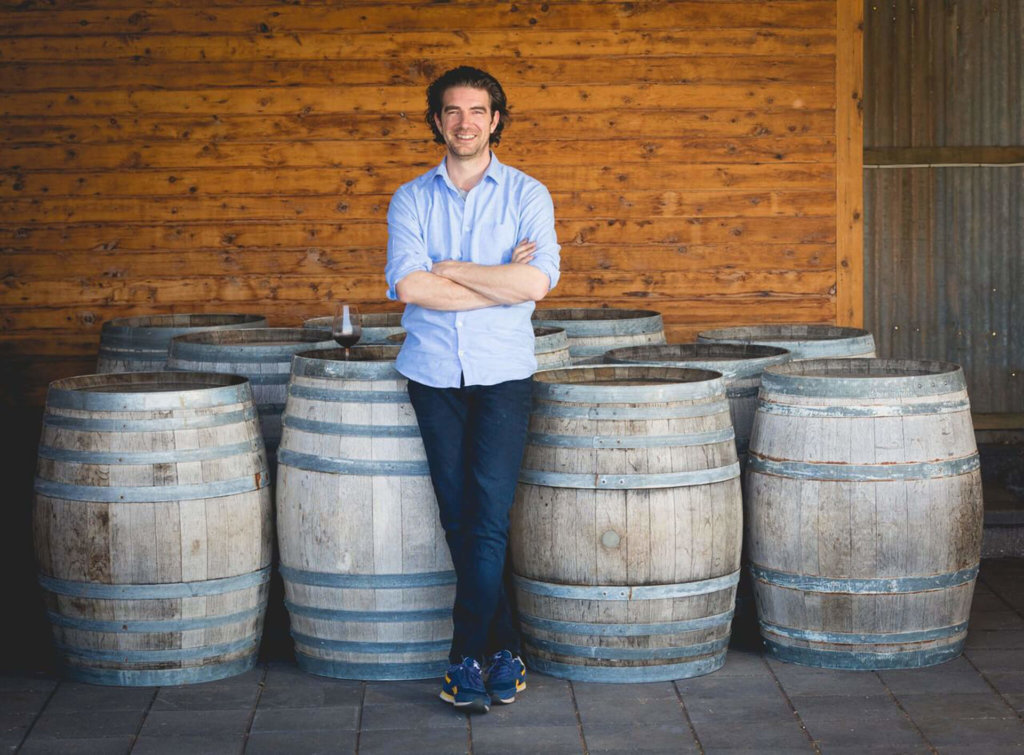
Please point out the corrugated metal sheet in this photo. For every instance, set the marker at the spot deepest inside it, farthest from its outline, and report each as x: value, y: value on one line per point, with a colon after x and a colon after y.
x: 944, y: 271
x: 944, y: 256
x: 943, y: 74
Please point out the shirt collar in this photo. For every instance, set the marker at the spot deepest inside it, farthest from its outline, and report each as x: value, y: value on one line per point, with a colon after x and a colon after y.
x: 495, y: 171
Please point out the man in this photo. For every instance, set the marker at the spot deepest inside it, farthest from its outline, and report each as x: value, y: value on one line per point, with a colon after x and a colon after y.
x: 471, y: 247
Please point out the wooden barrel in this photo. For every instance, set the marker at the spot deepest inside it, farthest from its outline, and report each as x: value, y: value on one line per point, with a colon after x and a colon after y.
x: 551, y: 348
x: 140, y: 344
x: 865, y: 512
x: 151, y: 524
x: 592, y: 332
x: 377, y: 326
x: 369, y: 583
x: 263, y: 355
x: 625, y: 535
x: 741, y: 366
x: 802, y: 341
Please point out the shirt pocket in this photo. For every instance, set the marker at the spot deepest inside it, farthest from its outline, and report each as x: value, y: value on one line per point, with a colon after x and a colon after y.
x: 497, y: 242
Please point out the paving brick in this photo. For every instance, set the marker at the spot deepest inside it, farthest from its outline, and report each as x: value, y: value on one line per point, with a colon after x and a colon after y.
x: 104, y: 746
x: 805, y: 680
x: 300, y: 742
x: 550, y: 705
x: 414, y: 692
x: 307, y: 719
x: 722, y: 709
x: 660, y: 738
x: 743, y: 663
x: 187, y: 723
x: 804, y: 750
x: 295, y: 689
x: 74, y: 697
x: 427, y: 714
x: 622, y: 692
x: 979, y: 732
x: 880, y: 708
x: 995, y: 620
x: 27, y: 683
x: 224, y: 694
x: 629, y: 709
x: 434, y: 741
x: 739, y: 733
x: 955, y: 677
x: 86, y: 724
x: 995, y: 660
x: 190, y: 745
x: 1004, y: 639
x: 895, y: 734
x: 1009, y: 683
x: 23, y: 701
x: 13, y: 727
x: 931, y: 707
x: 712, y: 686
x: 528, y: 739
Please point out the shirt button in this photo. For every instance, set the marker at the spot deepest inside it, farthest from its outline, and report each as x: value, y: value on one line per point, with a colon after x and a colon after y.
x: 460, y: 353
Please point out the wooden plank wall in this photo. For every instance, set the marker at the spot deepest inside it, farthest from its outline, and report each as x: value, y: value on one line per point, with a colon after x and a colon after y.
x: 944, y: 190
x: 183, y: 156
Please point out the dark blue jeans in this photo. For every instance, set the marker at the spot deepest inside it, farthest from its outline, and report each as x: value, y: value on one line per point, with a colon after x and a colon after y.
x: 474, y: 438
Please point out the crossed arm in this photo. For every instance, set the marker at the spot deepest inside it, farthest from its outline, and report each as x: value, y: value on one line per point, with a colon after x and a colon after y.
x: 452, y: 285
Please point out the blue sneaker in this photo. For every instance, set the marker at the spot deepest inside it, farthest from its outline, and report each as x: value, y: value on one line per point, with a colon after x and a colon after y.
x: 505, y: 677
x: 463, y: 687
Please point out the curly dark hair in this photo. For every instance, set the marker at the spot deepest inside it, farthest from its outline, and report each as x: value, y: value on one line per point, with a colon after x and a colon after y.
x: 466, y: 76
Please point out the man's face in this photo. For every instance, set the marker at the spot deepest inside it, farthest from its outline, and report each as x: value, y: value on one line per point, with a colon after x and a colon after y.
x: 466, y: 122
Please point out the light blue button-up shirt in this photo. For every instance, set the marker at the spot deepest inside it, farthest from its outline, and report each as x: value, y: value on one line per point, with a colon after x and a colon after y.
x: 429, y: 221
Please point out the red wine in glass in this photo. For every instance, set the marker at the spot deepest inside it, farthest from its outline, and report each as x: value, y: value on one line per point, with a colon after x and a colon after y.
x: 345, y: 327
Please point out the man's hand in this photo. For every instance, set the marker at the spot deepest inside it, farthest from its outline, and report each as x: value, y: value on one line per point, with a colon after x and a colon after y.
x: 523, y: 252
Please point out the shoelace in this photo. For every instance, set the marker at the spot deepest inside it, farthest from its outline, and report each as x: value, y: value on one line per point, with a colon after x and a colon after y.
x: 502, y: 668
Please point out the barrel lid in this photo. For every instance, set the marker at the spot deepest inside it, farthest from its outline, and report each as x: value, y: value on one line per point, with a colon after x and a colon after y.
x: 365, y: 362
x: 248, y: 345
x: 864, y: 378
x: 804, y: 340
x: 366, y: 319
x: 633, y: 383
x: 143, y: 391
x: 598, y: 320
x: 733, y: 360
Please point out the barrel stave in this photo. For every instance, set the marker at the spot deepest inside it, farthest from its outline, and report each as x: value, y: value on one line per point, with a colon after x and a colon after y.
x: 368, y: 579
x: 877, y: 468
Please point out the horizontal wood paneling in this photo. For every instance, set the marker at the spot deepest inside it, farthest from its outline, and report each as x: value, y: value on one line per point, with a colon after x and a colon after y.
x: 239, y: 156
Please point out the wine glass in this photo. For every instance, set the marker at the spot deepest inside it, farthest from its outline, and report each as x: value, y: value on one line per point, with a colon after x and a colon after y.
x: 345, y: 326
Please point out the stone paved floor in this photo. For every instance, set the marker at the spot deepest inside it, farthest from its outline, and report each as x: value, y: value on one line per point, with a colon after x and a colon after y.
x: 973, y: 704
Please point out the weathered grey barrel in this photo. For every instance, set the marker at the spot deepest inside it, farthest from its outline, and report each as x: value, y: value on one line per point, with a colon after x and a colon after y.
x: 626, y: 531
x: 865, y: 512
x: 592, y: 332
x: 741, y: 366
x: 377, y: 326
x: 263, y: 355
x: 151, y: 524
x: 140, y: 344
x: 802, y: 341
x: 368, y: 580
x: 550, y: 347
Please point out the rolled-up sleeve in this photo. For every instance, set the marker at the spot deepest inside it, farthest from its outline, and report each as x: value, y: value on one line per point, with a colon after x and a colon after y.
x: 407, y: 250
x: 538, y: 224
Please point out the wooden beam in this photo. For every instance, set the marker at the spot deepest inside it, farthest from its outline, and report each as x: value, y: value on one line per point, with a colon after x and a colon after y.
x: 929, y: 156
x: 849, y: 163
x: 999, y: 421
